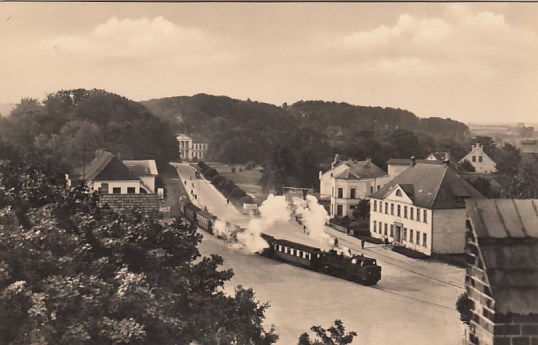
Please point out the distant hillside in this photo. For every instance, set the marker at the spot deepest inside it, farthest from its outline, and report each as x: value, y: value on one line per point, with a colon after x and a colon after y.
x: 205, y: 113
x: 240, y: 131
x: 342, y: 119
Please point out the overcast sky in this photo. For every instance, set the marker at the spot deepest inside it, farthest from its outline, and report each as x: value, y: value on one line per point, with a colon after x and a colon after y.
x: 467, y: 61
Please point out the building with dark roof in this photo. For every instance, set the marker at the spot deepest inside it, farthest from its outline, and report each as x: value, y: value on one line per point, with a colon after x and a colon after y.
x: 347, y: 182
x: 423, y: 209
x: 108, y: 174
x: 502, y: 271
x: 145, y: 170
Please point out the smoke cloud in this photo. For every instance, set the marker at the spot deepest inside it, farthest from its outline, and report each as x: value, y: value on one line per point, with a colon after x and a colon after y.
x: 314, y: 217
x: 273, y: 210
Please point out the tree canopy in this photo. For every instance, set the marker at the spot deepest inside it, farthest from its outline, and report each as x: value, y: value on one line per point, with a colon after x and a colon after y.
x: 75, y: 273
x: 68, y: 126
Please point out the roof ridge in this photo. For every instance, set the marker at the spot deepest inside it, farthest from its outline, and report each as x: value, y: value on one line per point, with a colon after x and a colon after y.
x: 438, y: 185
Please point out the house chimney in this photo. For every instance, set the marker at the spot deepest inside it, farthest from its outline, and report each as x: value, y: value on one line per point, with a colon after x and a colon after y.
x: 413, y: 161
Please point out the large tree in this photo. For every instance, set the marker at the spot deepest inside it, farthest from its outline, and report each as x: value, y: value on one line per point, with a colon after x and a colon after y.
x: 75, y: 273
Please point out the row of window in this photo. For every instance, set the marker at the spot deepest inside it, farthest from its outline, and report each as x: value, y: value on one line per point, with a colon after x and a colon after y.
x: 294, y: 252
x: 384, y: 227
x: 413, y: 214
x: 479, y: 159
x: 115, y: 190
x: 352, y: 192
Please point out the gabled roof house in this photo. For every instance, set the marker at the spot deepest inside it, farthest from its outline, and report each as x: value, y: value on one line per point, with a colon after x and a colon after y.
x: 423, y: 209
x: 347, y: 182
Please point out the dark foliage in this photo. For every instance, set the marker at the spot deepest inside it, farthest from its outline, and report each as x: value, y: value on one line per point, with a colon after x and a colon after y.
x: 70, y: 125
x: 74, y: 273
x: 465, y: 305
x: 334, y: 335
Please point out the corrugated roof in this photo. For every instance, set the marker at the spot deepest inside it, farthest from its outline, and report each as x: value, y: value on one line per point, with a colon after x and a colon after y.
x: 433, y: 186
x: 360, y: 170
x: 506, y: 232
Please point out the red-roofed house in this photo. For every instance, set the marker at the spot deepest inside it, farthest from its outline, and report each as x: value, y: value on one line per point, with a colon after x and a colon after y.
x: 347, y: 182
x: 423, y: 209
x: 502, y: 271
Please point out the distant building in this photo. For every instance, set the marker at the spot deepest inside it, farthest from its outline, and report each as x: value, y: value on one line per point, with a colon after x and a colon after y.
x: 481, y: 162
x: 502, y: 271
x: 423, y: 209
x: 347, y: 182
x: 529, y: 149
x: 192, y: 147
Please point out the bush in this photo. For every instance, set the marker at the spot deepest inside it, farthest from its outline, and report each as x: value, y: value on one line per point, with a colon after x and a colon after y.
x: 247, y: 199
x: 237, y: 193
x: 228, y: 186
x: 217, y: 180
x: 210, y: 173
x: 202, y: 165
x: 465, y: 305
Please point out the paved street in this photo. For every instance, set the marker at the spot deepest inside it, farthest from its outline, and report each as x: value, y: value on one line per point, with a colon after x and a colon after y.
x: 414, y: 303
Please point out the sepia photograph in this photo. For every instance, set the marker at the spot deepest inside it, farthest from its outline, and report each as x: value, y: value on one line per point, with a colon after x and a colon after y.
x: 257, y: 173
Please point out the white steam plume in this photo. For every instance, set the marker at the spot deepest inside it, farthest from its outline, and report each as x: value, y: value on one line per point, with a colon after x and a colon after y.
x: 314, y: 217
x: 273, y: 210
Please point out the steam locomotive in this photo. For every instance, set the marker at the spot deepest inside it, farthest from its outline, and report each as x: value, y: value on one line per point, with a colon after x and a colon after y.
x: 357, y: 268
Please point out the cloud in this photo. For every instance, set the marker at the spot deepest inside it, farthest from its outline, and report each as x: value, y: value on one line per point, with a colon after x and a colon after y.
x: 156, y: 39
x: 459, y: 37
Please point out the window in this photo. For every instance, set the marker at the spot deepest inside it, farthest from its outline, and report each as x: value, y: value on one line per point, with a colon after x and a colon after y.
x: 418, y: 215
x: 104, y: 188
x: 411, y: 213
x: 474, y: 158
x: 378, y: 187
x: 398, y: 193
x: 386, y: 226
x: 131, y: 190
x: 418, y: 237
x: 339, y: 210
x: 424, y: 240
x: 425, y: 216
x: 340, y: 192
x: 375, y: 206
x: 392, y: 209
x: 352, y: 193
x: 398, y: 211
x: 411, y: 235
x: 391, y: 230
x: 371, y: 189
x: 405, y: 234
x: 116, y: 190
x: 380, y: 207
x: 480, y: 159
x: 386, y: 208
x: 375, y: 226
x: 405, y: 212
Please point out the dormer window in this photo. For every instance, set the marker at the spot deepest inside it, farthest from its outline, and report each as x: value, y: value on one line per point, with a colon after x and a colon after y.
x: 398, y: 193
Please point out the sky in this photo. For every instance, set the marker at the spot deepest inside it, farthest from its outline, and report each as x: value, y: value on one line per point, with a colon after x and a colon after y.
x: 472, y: 62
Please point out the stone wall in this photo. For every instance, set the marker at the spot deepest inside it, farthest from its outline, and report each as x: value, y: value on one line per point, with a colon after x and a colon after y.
x: 146, y: 203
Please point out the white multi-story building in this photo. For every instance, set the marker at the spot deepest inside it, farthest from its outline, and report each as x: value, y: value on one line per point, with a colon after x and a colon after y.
x: 423, y: 209
x: 347, y: 182
x: 191, y: 147
x: 481, y: 162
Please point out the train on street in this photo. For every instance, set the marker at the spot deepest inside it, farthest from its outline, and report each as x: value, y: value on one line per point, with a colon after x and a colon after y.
x: 357, y: 268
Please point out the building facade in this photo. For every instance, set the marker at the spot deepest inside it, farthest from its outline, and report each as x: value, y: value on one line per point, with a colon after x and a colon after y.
x: 481, y: 162
x: 423, y: 209
x: 502, y: 271
x: 192, y: 147
x: 348, y: 182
